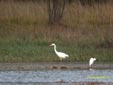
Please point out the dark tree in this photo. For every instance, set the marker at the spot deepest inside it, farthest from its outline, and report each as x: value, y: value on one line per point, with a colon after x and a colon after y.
x: 55, y: 10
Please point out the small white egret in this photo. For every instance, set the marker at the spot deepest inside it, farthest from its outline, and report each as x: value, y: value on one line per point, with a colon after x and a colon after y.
x: 91, y: 61
x: 61, y: 55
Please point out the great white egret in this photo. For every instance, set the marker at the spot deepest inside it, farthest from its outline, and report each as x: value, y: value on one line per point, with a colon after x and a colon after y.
x: 91, y: 61
x: 61, y: 55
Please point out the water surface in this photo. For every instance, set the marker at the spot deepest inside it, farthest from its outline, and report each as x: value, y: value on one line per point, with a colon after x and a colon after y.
x: 57, y: 76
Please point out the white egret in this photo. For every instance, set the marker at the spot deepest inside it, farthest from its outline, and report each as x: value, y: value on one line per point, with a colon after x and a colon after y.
x: 61, y: 55
x: 91, y: 61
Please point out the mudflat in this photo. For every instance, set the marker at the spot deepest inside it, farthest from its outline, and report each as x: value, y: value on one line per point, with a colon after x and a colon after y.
x: 53, y: 65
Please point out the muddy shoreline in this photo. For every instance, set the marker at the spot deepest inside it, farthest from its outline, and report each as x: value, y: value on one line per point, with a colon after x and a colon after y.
x: 52, y: 66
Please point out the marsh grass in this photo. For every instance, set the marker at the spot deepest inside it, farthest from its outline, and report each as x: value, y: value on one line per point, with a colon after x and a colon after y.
x: 25, y: 35
x: 91, y: 16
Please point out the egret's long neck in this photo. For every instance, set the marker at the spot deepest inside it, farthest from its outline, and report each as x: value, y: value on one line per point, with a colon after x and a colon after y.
x: 55, y: 49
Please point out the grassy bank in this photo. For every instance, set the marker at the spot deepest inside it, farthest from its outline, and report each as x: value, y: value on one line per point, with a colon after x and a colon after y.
x: 25, y: 35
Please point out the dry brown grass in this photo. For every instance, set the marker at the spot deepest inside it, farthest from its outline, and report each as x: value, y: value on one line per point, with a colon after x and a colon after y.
x: 23, y: 12
x: 23, y: 19
x: 97, y: 15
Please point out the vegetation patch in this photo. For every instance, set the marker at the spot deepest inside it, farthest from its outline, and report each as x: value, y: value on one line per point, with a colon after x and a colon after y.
x: 84, y: 32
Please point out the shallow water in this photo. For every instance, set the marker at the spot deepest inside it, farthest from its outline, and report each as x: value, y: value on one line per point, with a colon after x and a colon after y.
x: 57, y: 76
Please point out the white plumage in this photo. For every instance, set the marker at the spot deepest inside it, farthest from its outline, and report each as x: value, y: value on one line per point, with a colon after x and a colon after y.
x: 91, y: 61
x: 61, y: 55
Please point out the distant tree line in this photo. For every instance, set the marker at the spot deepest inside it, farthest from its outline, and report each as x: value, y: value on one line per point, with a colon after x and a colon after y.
x: 83, y: 2
x: 93, y: 2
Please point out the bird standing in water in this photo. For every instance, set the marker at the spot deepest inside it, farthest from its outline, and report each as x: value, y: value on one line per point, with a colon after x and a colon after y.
x: 91, y: 61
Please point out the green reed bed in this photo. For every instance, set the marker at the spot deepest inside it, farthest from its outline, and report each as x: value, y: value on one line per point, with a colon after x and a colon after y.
x: 40, y: 51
